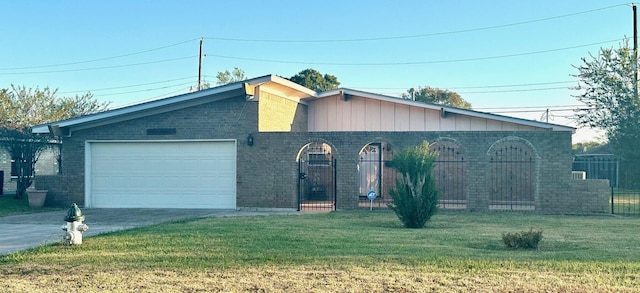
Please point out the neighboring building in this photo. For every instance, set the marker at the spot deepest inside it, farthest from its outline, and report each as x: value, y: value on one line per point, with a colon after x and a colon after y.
x: 268, y: 143
x: 47, y: 164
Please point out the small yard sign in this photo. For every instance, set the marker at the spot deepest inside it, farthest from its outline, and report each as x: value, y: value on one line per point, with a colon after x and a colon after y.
x: 371, y: 195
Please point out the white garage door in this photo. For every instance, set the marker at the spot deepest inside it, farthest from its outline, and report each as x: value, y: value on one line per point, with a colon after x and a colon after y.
x: 181, y: 174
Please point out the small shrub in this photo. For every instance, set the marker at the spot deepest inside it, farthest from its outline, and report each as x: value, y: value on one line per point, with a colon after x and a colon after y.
x: 415, y: 197
x: 522, y: 240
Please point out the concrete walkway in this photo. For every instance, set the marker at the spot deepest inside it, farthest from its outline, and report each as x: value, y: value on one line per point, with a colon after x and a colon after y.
x: 25, y: 231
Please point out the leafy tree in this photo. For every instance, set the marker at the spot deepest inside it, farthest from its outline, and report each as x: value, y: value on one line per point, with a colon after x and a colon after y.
x: 608, y: 89
x: 415, y: 196
x: 226, y: 77
x: 20, y: 109
x: 314, y: 80
x: 436, y: 96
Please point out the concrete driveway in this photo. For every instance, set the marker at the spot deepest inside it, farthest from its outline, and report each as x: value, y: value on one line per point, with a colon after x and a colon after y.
x: 25, y: 231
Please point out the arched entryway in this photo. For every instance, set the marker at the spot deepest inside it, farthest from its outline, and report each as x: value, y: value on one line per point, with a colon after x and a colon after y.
x: 512, y: 164
x: 375, y: 173
x: 316, y: 177
x: 450, y: 172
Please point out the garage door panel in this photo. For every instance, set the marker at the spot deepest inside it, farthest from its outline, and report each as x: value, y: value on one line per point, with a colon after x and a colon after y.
x: 163, y: 174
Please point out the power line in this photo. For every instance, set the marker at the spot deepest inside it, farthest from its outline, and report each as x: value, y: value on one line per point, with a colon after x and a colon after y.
x: 515, y: 91
x: 97, y: 68
x: 412, y: 62
x: 470, y: 87
x: 99, y: 59
x: 531, y: 107
x: 143, y: 90
x: 412, y: 36
x: 125, y: 86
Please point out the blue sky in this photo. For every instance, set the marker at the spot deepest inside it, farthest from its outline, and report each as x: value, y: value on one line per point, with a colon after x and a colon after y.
x: 509, y: 57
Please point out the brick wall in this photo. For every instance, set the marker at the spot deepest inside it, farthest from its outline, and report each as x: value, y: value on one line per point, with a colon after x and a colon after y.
x: 267, y: 174
x: 279, y: 114
x: 555, y: 191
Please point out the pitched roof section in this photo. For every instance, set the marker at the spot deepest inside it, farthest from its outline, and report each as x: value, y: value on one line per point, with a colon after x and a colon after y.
x: 275, y: 83
x: 445, y: 109
x: 142, y: 109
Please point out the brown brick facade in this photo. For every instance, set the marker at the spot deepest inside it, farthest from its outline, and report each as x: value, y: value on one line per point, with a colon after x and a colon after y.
x: 267, y: 174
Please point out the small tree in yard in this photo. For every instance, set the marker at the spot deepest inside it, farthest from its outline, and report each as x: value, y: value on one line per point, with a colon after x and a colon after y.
x: 25, y: 148
x: 20, y: 109
x: 415, y: 197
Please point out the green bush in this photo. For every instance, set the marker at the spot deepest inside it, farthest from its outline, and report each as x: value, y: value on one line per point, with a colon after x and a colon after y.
x: 415, y: 196
x: 522, y: 240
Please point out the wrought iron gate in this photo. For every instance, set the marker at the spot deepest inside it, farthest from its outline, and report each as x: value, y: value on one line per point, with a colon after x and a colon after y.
x: 449, y: 172
x: 317, y: 183
x: 512, y: 178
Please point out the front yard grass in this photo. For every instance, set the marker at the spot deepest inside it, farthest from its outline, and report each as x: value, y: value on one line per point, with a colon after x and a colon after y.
x: 11, y: 206
x: 340, y: 252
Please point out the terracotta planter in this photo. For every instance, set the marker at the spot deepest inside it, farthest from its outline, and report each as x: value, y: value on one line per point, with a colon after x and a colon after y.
x: 36, y: 197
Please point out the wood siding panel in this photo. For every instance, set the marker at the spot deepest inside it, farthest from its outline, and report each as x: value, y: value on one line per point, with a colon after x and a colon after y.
x: 416, y: 119
x: 358, y: 109
x: 479, y: 124
x: 340, y: 116
x: 463, y: 123
x: 493, y: 125
x: 387, y: 116
x: 509, y: 126
x: 320, y: 119
x: 448, y: 124
x: 345, y: 124
x: 372, y: 115
x: 364, y: 114
x: 432, y: 120
x: 402, y: 117
x: 332, y: 114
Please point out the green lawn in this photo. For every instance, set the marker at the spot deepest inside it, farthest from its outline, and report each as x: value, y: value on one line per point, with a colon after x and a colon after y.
x: 10, y: 206
x: 357, y: 251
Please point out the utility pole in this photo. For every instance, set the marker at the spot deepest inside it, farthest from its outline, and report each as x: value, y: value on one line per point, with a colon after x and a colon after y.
x: 200, y: 63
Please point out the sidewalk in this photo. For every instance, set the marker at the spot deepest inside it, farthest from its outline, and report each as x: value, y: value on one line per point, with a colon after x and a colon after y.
x: 25, y: 231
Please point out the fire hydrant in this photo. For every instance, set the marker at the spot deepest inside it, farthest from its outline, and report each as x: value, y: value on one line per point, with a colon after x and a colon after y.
x: 74, y: 226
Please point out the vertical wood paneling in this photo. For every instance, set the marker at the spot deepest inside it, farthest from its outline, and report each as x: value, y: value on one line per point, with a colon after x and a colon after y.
x: 357, y: 113
x: 493, y: 125
x: 321, y: 114
x: 416, y: 119
x: 478, y: 124
x: 402, y: 117
x: 432, y: 120
x: 332, y: 114
x: 372, y: 115
x: 387, y: 116
x: 463, y: 123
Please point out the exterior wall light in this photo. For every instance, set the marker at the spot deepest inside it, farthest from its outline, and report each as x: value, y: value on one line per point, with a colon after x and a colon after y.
x: 250, y: 140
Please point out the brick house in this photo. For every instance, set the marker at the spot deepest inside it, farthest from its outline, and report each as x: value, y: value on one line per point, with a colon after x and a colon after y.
x: 268, y: 143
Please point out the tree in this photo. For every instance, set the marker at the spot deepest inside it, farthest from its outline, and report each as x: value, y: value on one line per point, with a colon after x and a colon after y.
x: 20, y: 109
x: 24, y: 149
x: 608, y: 88
x: 226, y: 77
x: 436, y: 96
x: 314, y: 80
x: 415, y: 196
